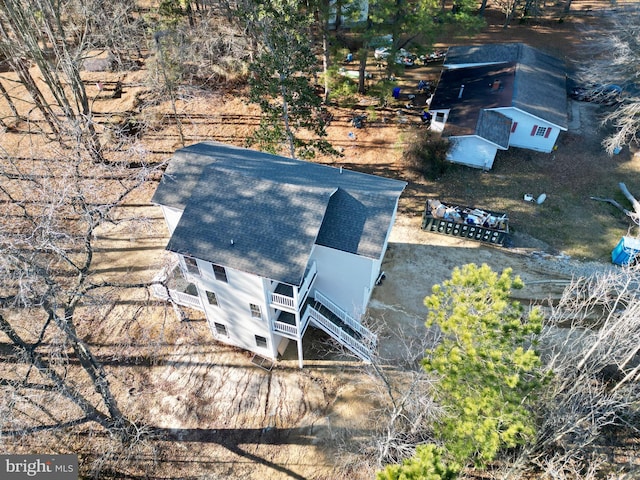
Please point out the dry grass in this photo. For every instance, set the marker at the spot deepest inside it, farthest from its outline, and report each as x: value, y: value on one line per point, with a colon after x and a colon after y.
x: 568, y: 221
x: 174, y: 368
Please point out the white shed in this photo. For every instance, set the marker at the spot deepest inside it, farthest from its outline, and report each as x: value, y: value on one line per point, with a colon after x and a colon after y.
x: 492, y: 97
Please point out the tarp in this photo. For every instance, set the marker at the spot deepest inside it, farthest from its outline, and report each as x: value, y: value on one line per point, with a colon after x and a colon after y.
x: 626, y: 251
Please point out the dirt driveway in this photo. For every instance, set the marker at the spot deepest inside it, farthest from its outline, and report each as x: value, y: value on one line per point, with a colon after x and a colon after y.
x: 416, y: 260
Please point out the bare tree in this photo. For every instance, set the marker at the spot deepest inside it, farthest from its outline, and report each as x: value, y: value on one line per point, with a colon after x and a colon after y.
x: 42, y: 34
x: 402, y: 392
x: 634, y: 214
x: 613, y: 59
x: 52, y: 213
x: 117, y: 27
x: 509, y: 9
x: 591, y: 346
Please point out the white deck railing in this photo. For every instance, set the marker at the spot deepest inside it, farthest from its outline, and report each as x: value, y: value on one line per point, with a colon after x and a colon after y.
x: 367, y: 335
x: 186, y: 300
x: 285, y: 328
x: 295, y: 331
x: 181, y: 298
x: 340, y: 335
x: 289, y: 303
x: 279, y: 300
x: 164, y: 293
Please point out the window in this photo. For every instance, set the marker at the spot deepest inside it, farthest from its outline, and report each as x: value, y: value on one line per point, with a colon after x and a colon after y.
x: 540, y: 131
x: 211, y: 298
x: 440, y: 117
x: 514, y: 125
x: 220, y: 273
x: 221, y: 329
x: 255, y: 310
x: 261, y: 341
x: 192, y: 265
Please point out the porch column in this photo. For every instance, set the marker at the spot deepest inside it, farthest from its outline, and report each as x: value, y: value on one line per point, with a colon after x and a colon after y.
x: 300, y: 359
x: 299, y: 334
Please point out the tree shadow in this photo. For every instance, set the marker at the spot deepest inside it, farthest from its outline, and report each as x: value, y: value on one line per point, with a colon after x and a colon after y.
x: 232, y: 438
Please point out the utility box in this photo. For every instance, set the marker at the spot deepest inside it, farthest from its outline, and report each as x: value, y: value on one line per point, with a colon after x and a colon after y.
x: 626, y: 251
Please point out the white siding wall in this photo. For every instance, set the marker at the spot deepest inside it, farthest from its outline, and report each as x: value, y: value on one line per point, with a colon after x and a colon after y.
x: 472, y: 151
x: 172, y: 217
x: 233, y: 310
x: 377, y: 264
x: 522, y: 135
x: 345, y: 278
x: 438, y: 126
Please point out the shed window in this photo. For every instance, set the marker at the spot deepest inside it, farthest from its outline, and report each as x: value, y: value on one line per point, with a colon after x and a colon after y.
x: 220, y: 273
x: 439, y: 117
x: 541, y: 131
x: 192, y: 265
x: 261, y: 341
x: 514, y: 125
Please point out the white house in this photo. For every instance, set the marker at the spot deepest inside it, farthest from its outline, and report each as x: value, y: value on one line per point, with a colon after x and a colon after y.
x: 492, y: 97
x: 347, y: 12
x: 267, y: 245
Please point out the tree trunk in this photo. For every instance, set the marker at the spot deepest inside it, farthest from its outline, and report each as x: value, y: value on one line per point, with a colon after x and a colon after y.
x: 12, y: 106
x: 326, y: 60
x: 567, y: 6
x: 509, y: 14
x: 338, y: 23
x: 631, y: 198
x: 483, y: 6
x: 362, y: 57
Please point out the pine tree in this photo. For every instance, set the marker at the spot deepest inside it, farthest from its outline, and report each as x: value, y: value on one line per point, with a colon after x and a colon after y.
x: 293, y: 117
x: 486, y: 361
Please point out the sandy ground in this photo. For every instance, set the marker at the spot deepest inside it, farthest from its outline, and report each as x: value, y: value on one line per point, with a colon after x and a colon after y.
x: 416, y: 260
x: 223, y: 417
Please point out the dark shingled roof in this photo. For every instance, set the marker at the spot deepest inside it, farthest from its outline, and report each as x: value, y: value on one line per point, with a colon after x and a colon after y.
x: 483, y: 54
x: 539, y: 84
x: 356, y: 222
x: 479, y: 93
x: 273, y: 208
x: 495, y: 127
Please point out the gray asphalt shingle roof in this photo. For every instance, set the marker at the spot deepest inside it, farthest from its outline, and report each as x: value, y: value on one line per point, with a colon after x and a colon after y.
x: 539, y: 83
x: 483, y: 54
x: 495, y: 127
x: 356, y: 222
x: 273, y: 208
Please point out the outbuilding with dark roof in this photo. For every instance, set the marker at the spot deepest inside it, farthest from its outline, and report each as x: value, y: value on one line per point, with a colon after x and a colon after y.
x: 496, y: 96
